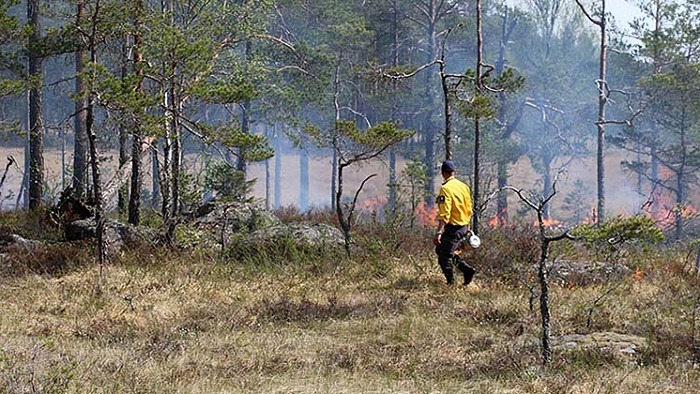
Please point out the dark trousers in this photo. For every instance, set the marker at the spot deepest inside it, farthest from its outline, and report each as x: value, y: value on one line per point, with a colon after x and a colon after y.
x: 449, y: 241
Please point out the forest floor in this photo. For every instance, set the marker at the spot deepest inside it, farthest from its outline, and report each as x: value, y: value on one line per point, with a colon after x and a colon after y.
x: 380, y: 321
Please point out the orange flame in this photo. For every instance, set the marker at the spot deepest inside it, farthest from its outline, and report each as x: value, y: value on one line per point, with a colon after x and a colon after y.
x: 499, y: 219
x: 638, y: 274
x: 493, y: 222
x: 373, y: 203
x: 427, y: 216
x: 663, y: 208
x: 592, y: 217
x: 548, y: 222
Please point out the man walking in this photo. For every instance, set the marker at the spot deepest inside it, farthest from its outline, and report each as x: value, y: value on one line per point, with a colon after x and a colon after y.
x: 454, y: 213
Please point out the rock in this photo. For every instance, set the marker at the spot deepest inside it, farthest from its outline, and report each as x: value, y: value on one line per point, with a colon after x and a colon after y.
x: 233, y: 218
x: 13, y: 241
x: 117, y: 235
x: 308, y: 234
x: 624, y: 344
x: 586, y: 272
x: 230, y: 220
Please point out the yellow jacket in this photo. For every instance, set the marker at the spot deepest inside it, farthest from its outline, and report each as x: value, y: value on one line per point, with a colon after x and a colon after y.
x: 454, y: 202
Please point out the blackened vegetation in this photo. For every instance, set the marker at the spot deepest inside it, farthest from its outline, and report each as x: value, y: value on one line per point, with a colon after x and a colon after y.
x: 70, y: 208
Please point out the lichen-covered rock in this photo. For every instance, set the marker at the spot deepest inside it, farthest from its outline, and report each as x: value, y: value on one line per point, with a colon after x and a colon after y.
x: 227, y: 222
x: 13, y: 242
x: 233, y: 218
x: 624, y: 344
x: 117, y: 235
x: 309, y: 234
x: 586, y: 272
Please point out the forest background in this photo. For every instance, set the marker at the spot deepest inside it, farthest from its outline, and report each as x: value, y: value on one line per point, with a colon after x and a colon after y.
x: 206, y: 89
x: 578, y: 135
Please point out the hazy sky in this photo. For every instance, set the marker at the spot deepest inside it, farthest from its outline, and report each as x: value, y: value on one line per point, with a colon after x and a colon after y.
x: 623, y: 11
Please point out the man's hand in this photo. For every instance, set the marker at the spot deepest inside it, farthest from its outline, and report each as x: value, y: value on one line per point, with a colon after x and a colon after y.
x: 436, y: 239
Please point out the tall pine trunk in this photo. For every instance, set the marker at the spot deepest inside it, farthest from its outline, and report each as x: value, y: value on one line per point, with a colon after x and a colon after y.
x: 278, y: 167
x: 430, y: 122
x: 600, y: 125
x: 92, y: 139
x: 304, y: 202
x: 476, y: 197
x: 602, y: 101
x: 36, y: 116
x: 80, y: 145
x: 136, y: 164
x: 123, y: 197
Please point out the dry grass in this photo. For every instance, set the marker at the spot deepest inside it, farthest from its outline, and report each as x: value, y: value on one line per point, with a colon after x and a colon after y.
x: 379, y: 323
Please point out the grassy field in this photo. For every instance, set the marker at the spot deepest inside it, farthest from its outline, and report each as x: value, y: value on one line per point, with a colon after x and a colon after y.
x: 381, y: 321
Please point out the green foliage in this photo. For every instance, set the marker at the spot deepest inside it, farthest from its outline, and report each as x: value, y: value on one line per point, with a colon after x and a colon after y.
x: 9, y: 87
x: 616, y: 232
x: 577, y: 202
x: 117, y: 93
x: 374, y: 138
x: 228, y: 183
x: 229, y: 90
x: 252, y: 147
x: 479, y: 106
x: 354, y: 144
x: 484, y: 104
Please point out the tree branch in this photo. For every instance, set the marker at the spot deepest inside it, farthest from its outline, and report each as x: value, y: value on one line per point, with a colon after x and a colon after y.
x: 357, y: 193
x: 585, y: 12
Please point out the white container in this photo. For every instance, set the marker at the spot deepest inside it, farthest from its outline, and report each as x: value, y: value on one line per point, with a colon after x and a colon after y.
x: 474, y: 240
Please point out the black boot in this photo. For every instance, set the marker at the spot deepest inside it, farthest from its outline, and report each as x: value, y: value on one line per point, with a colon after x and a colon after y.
x: 466, y: 270
x: 468, y: 274
x: 446, y: 267
x: 449, y: 276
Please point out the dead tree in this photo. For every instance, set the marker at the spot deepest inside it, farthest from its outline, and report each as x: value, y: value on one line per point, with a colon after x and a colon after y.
x: 545, y: 238
x: 601, y: 83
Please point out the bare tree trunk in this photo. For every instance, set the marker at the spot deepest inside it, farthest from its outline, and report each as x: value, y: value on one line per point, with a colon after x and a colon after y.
x: 176, y: 109
x: 278, y: 167
x: 344, y: 224
x: 392, y: 183
x: 430, y: 123
x: 394, y: 109
x: 447, y: 109
x: 155, y: 171
x: 508, y: 127
x: 546, y: 185
x: 545, y: 314
x: 542, y: 273
x: 176, y: 164
x: 23, y: 194
x: 136, y: 176
x: 81, y: 137
x: 304, y: 199
x: 335, y: 176
x: 269, y: 134
x: 681, y: 179
x: 123, y: 199
x: 36, y: 116
x: 165, y: 176
x: 94, y: 153
x: 476, y: 196
x: 136, y: 170
x: 245, y: 118
x: 602, y: 100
